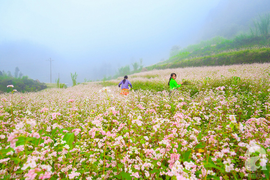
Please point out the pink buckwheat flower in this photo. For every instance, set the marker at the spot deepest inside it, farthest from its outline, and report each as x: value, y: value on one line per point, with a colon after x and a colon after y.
x: 36, y: 135
x: 19, y: 149
x: 76, y: 131
x: 70, y: 100
x: 136, y: 175
x: 46, y: 175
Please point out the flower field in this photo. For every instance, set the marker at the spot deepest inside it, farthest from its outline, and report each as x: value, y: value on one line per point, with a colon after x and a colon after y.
x: 92, y: 132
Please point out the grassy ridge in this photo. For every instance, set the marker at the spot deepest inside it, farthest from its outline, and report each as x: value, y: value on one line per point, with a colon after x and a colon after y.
x: 248, y: 56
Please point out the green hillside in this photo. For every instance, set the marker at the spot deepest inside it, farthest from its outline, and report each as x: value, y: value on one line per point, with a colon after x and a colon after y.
x: 221, y: 51
x: 244, y: 48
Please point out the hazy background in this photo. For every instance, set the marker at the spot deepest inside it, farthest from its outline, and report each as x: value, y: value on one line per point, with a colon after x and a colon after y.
x: 95, y: 38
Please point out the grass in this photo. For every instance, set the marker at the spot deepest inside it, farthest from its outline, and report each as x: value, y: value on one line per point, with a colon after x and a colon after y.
x: 51, y: 85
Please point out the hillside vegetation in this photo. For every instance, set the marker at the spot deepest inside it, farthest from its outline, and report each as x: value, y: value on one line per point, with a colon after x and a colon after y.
x: 244, y: 48
x: 245, y: 56
x: 21, y: 84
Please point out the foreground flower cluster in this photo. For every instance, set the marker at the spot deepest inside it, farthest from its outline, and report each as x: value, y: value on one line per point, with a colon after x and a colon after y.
x: 87, y: 132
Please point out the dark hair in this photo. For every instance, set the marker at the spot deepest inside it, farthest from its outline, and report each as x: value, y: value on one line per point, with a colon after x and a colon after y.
x: 124, y: 80
x: 171, y: 78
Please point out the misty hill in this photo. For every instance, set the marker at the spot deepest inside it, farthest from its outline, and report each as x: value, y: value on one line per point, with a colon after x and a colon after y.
x: 231, y: 17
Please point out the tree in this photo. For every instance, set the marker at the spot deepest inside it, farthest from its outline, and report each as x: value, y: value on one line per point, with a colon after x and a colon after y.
x: 9, y: 74
x: 16, y: 72
x: 1, y: 74
x: 20, y: 75
x: 74, y: 78
x: 261, y: 25
x: 135, y: 66
x: 141, y: 64
x: 122, y: 71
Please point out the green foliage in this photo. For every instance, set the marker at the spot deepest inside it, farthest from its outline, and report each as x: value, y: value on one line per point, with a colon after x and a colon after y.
x: 23, y: 84
x: 124, y: 175
x: 261, y: 25
x: 125, y: 70
x: 58, y: 83
x: 85, y: 80
x: 74, y: 78
x: 261, y: 55
x: 16, y: 72
x: 135, y: 66
x: 149, y: 76
x: 62, y: 85
x: 69, y: 138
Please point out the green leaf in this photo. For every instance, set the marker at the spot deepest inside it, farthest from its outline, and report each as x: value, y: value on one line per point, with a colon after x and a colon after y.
x: 266, y: 173
x: 200, y: 136
x: 154, y: 171
x: 69, y: 138
x: 186, y: 155
x: 214, y: 177
x: 199, y: 146
x: 7, y: 176
x: 120, y: 165
x: 212, y: 165
x: 21, y: 141
x: 19, y: 172
x: 124, y: 175
x: 36, y: 142
x: 54, y: 131
x: 16, y: 160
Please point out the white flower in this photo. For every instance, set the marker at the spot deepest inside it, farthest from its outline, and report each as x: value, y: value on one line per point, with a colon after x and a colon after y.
x: 147, y: 174
x: 232, y: 118
x: 254, y: 148
x: 105, y: 89
x: 263, y: 162
x: 46, y: 167
x: 10, y: 86
x: 241, y: 127
x: 28, y: 112
x: 19, y: 126
x: 66, y: 146
x: 229, y: 168
x: 146, y: 138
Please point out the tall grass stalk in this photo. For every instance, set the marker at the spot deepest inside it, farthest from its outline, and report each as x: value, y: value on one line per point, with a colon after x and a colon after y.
x: 74, y: 78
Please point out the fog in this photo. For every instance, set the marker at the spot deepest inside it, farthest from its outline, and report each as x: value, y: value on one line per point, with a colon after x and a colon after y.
x: 95, y: 38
